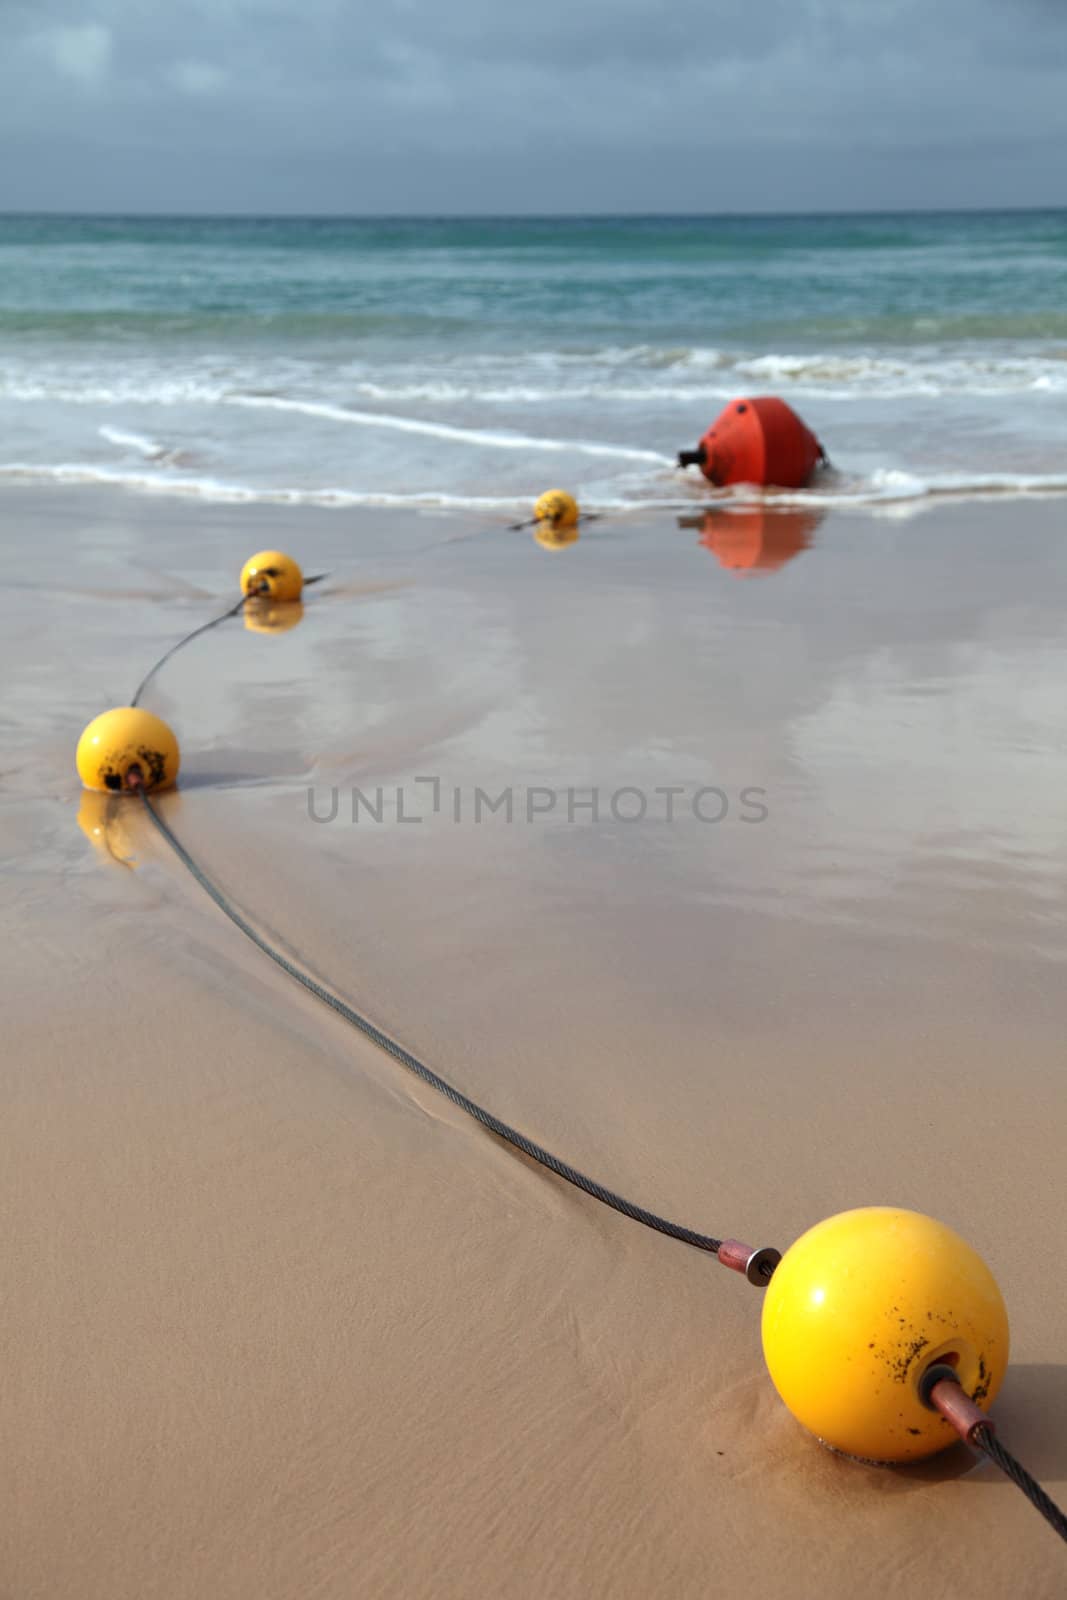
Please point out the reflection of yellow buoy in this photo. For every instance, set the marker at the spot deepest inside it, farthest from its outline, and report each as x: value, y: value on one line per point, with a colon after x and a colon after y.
x: 124, y: 740
x: 554, y: 537
x: 557, y: 507
x: 859, y: 1308
x: 265, y: 616
x: 101, y: 821
x: 273, y: 573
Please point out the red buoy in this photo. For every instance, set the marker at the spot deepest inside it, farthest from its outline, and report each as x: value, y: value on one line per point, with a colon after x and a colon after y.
x: 756, y: 441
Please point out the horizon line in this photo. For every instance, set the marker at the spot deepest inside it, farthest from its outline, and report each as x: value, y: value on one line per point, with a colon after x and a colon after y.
x: 35, y: 214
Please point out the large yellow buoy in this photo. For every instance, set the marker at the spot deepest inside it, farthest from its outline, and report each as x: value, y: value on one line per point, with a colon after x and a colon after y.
x: 264, y: 616
x: 125, y: 742
x: 557, y: 507
x: 273, y: 573
x: 859, y: 1309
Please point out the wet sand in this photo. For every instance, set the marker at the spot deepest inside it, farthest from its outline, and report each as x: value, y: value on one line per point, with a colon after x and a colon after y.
x: 276, y: 1320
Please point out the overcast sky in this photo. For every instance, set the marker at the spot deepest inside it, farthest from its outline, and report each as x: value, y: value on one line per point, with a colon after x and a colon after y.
x: 451, y: 106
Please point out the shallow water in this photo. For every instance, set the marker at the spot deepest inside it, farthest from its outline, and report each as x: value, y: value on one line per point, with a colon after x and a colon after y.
x: 470, y: 363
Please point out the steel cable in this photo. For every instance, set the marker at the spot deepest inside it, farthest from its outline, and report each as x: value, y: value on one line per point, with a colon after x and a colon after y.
x: 503, y: 1130
x: 984, y: 1438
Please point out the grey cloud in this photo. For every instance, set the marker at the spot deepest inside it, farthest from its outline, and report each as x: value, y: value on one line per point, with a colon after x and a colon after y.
x: 603, y: 105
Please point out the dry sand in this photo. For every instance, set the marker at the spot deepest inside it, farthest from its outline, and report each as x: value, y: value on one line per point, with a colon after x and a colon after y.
x: 278, y: 1322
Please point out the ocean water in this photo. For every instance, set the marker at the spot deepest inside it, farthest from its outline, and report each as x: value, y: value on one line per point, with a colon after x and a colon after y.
x: 474, y: 363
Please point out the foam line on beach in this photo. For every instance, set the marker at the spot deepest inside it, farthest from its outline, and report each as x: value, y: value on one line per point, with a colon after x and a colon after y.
x: 882, y: 489
x: 442, y: 430
x: 891, y: 486
x: 213, y: 489
x: 150, y: 449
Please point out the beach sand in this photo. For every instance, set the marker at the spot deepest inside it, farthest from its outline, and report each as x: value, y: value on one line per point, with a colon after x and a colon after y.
x: 278, y: 1321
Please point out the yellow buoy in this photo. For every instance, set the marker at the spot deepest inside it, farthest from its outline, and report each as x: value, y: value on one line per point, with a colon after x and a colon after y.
x: 552, y: 536
x: 859, y: 1308
x: 557, y: 507
x: 124, y: 742
x: 264, y: 616
x: 273, y: 573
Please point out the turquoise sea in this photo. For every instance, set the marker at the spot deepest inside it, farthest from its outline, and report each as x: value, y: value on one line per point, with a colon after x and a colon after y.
x: 473, y: 363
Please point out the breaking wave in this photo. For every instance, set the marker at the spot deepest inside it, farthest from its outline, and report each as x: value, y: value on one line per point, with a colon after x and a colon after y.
x: 611, y: 375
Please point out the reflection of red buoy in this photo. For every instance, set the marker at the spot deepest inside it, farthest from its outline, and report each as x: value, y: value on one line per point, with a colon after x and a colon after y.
x: 757, y: 540
x: 756, y: 441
